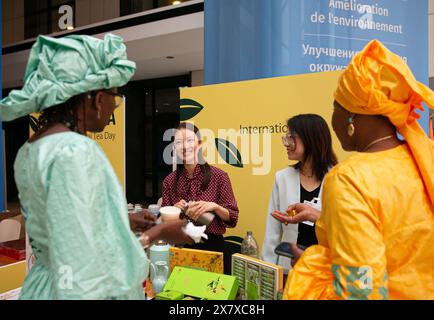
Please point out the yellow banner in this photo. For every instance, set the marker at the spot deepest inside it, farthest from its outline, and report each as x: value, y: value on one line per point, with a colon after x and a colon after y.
x: 242, y: 123
x: 112, y: 141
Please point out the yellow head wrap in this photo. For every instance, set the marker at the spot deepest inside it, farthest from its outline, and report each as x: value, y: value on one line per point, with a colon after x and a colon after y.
x: 378, y: 82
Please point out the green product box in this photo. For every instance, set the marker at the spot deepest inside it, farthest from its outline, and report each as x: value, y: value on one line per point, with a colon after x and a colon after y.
x: 202, y: 284
x: 169, y: 295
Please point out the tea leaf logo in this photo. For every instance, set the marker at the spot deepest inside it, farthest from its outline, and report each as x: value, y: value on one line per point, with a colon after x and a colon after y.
x: 189, y: 108
x: 33, y: 123
x: 229, y: 152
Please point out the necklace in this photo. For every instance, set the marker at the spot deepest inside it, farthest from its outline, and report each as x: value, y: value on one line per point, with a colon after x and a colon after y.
x: 307, y: 176
x: 376, y: 141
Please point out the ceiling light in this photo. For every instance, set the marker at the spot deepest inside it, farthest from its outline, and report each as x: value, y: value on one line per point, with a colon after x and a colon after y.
x: 70, y: 28
x: 176, y: 2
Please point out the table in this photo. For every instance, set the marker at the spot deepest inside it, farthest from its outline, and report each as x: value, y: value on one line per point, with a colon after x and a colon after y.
x: 4, y: 260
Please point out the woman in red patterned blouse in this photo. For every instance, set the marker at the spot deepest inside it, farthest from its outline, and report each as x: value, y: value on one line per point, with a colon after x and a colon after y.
x: 208, y: 188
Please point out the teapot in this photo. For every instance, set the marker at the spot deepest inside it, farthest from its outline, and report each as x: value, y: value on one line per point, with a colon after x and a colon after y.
x: 159, y: 252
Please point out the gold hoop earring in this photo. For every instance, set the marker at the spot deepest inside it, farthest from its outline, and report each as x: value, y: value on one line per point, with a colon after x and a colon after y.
x: 351, y: 129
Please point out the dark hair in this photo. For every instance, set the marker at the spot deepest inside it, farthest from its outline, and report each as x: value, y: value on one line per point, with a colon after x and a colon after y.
x: 204, y: 166
x: 65, y: 113
x: 315, y: 134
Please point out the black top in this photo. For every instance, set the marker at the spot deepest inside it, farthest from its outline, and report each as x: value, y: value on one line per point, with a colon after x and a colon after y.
x: 306, y: 233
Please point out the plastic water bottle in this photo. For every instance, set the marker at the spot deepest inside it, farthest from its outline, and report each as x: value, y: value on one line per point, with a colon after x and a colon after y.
x: 249, y: 246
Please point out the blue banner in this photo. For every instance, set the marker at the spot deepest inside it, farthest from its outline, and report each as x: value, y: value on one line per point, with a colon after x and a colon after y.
x: 2, y: 169
x: 251, y: 39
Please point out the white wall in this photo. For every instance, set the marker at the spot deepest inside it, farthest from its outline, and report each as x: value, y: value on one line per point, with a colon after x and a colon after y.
x: 197, y: 78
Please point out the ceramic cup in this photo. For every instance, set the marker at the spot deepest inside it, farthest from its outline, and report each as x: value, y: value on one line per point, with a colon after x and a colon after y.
x: 170, y: 213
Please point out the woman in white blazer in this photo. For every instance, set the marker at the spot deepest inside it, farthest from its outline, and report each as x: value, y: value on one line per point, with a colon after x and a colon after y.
x: 309, y: 143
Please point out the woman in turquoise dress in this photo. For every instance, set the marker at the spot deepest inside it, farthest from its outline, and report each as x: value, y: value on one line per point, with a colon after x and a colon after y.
x: 74, y: 207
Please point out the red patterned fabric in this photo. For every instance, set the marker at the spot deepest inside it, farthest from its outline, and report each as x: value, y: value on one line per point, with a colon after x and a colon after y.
x: 219, y: 190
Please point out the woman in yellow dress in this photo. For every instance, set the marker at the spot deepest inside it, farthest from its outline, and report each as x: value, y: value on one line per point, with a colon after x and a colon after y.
x: 376, y: 230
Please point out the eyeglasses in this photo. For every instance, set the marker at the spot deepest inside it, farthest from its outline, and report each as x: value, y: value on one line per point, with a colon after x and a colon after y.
x: 289, y: 141
x: 119, y: 98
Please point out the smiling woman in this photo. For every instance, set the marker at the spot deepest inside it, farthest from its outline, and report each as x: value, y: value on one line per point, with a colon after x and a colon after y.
x: 308, y: 142
x: 202, y: 189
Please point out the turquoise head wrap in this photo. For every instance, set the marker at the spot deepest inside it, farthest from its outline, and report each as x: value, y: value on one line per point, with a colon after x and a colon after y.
x: 60, y: 68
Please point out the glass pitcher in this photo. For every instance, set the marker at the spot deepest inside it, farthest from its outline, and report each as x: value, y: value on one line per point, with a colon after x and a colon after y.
x: 159, y: 276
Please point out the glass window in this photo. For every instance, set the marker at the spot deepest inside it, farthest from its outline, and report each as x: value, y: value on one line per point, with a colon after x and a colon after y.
x: 134, y: 6
x: 152, y: 108
x: 42, y: 16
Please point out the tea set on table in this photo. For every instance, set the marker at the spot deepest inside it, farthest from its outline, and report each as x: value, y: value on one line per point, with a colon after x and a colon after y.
x: 159, y: 252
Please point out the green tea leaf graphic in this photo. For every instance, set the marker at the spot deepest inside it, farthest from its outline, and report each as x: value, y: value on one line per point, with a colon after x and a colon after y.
x: 34, y: 123
x: 229, y: 152
x: 189, y: 109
